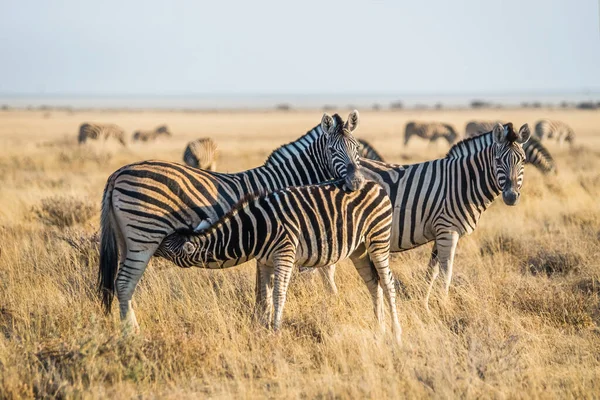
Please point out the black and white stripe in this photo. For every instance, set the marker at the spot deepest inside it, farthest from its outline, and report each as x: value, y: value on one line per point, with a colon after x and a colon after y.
x: 201, y: 153
x: 442, y: 200
x: 91, y: 131
x: 365, y: 150
x: 146, y: 201
x: 557, y: 130
x: 312, y: 226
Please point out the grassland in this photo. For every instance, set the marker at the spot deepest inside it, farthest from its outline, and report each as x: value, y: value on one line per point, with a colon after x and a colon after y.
x: 522, y: 318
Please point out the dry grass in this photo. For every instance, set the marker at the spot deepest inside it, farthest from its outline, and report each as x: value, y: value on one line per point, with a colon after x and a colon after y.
x: 522, y: 319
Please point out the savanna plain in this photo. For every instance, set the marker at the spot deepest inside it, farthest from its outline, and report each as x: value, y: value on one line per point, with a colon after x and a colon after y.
x: 522, y: 319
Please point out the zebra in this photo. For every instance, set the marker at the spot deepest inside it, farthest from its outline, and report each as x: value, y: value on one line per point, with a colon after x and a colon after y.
x: 145, y: 201
x: 91, y: 131
x: 201, y: 153
x: 442, y: 200
x: 548, y: 129
x: 431, y: 131
x: 365, y: 150
x: 536, y: 153
x: 147, y: 136
x: 313, y: 226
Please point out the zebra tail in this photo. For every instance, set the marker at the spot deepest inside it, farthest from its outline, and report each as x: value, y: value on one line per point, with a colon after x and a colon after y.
x: 109, y: 253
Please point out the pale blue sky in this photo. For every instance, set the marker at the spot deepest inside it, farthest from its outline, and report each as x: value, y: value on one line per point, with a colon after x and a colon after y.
x: 194, y: 47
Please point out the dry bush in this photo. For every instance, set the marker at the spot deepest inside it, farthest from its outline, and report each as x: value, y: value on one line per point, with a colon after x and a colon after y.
x: 552, y: 262
x: 63, y: 211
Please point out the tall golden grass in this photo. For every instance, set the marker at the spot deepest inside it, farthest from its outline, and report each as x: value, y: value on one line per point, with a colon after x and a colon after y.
x: 522, y: 318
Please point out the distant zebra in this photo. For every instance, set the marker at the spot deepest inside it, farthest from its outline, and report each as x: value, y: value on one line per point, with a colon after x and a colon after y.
x: 442, y: 200
x: 146, y: 201
x: 547, y: 129
x: 431, y: 131
x: 90, y: 131
x: 313, y: 226
x: 365, y: 150
x: 476, y: 128
x: 148, y: 136
x: 201, y: 153
x: 536, y: 153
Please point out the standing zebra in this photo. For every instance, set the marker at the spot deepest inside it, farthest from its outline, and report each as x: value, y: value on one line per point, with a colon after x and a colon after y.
x: 313, y: 226
x: 146, y: 201
x: 431, y: 131
x: 201, y: 153
x: 365, y: 150
x: 147, y: 136
x: 535, y: 152
x: 92, y: 131
x: 547, y: 129
x: 442, y: 200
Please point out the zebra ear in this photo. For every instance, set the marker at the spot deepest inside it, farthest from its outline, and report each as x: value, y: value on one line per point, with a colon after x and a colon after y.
x: 327, y: 123
x: 524, y: 134
x: 352, y: 121
x: 188, y: 248
x: 498, y: 134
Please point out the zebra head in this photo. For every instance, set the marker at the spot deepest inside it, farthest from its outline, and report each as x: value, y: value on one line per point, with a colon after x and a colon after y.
x: 451, y: 134
x: 342, y: 154
x: 509, y: 160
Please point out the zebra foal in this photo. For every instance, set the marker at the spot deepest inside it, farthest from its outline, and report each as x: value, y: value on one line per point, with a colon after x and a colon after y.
x: 201, y: 153
x: 312, y: 226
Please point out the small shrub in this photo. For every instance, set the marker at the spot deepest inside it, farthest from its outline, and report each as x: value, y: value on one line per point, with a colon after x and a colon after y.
x: 63, y: 211
x: 554, y: 263
x: 502, y: 244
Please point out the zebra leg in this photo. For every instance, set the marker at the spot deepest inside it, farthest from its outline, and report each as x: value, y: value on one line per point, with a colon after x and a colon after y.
x: 367, y: 271
x: 433, y: 271
x: 328, y: 276
x: 284, y: 263
x: 381, y: 261
x: 446, y: 256
x: 264, y: 294
x: 130, y: 272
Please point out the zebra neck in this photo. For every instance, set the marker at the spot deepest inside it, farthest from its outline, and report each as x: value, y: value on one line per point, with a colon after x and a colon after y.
x: 483, y: 184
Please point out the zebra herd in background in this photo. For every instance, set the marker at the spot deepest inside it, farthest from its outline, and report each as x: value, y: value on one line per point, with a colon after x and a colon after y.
x: 194, y: 217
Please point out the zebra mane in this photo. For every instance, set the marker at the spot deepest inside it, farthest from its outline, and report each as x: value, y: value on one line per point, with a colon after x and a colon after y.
x: 474, y: 144
x: 287, y: 151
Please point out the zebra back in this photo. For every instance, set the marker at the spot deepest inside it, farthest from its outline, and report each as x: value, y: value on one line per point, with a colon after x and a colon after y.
x: 201, y: 153
x: 476, y: 128
x: 150, y: 135
x: 430, y: 131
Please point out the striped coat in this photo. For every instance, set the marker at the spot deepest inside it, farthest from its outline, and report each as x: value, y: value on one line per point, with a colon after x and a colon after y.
x: 557, y: 130
x: 442, y: 200
x: 148, y: 135
x: 431, y: 131
x: 313, y: 226
x: 365, y: 150
x: 146, y: 201
x: 91, y: 131
x: 536, y: 153
x: 201, y: 153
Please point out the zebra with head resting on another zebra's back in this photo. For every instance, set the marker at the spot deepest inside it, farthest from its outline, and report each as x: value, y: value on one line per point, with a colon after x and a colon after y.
x: 313, y: 226
x: 430, y: 131
x: 548, y: 129
x: 536, y: 153
x: 148, y: 135
x: 146, y: 201
x: 90, y: 131
x: 201, y: 153
x: 442, y: 200
x: 365, y: 150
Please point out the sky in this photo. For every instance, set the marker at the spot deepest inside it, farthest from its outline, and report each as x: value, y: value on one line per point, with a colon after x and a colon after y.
x: 304, y: 47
